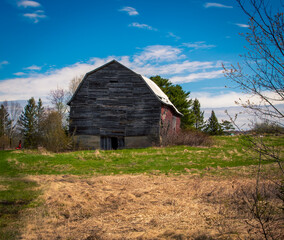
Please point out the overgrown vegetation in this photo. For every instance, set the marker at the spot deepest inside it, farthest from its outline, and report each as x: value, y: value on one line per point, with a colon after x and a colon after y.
x: 18, y: 192
x: 267, y: 127
x: 227, y: 152
x: 188, y: 137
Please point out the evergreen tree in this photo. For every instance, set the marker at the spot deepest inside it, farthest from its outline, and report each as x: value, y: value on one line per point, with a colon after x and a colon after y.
x: 227, y: 126
x: 178, y: 97
x: 28, y: 123
x: 213, y: 127
x: 40, y: 116
x: 5, y: 122
x: 198, y: 115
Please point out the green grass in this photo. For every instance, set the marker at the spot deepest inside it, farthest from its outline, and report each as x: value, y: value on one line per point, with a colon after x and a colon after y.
x: 228, y: 152
x: 16, y: 193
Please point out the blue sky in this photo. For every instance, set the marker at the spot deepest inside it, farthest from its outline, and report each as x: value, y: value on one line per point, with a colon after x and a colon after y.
x: 44, y: 44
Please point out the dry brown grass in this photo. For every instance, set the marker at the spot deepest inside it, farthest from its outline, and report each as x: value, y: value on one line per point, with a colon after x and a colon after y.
x: 138, y: 207
x: 3, y: 187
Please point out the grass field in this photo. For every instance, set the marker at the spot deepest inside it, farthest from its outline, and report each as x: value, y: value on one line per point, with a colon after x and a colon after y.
x: 19, y: 191
x: 227, y: 152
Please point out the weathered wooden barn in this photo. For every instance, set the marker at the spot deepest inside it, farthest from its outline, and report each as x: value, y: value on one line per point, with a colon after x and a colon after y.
x: 114, y: 108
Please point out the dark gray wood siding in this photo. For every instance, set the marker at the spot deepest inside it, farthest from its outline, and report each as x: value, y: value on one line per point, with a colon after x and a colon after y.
x: 114, y: 101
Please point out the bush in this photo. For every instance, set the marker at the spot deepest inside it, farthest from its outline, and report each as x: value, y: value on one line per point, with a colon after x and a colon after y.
x: 187, y: 137
x: 55, y: 138
x: 267, y: 127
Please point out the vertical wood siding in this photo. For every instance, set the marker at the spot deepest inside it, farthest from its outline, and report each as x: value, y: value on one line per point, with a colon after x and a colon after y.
x: 169, y: 120
x: 114, y: 101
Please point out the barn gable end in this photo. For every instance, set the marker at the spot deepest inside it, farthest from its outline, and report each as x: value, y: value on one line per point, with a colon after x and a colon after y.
x: 114, y: 107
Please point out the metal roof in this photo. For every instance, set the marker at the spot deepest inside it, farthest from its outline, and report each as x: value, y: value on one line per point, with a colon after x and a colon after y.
x: 152, y: 85
x: 159, y: 93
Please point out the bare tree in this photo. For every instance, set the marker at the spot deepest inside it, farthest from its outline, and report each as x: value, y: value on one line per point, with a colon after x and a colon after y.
x: 59, y: 98
x: 262, y: 76
x: 14, y: 109
x: 74, y: 83
x: 263, y: 70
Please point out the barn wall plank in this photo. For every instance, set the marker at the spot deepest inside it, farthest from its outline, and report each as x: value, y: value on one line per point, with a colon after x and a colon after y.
x: 115, y: 101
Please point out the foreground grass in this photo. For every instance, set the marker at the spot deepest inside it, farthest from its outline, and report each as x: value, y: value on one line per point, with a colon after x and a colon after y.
x: 17, y: 193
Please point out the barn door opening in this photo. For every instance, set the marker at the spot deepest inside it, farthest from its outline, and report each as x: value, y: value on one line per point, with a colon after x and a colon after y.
x: 112, y: 143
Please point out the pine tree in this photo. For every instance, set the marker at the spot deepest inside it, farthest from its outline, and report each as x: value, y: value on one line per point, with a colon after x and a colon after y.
x: 28, y: 123
x: 5, y: 122
x: 198, y: 115
x: 227, y: 126
x: 178, y: 97
x: 40, y: 116
x: 213, y: 127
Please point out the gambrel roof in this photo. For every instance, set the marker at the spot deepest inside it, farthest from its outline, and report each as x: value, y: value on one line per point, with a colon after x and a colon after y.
x: 161, y: 96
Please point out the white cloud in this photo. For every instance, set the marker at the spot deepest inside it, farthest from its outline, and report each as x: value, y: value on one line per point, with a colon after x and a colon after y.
x: 217, y: 5
x: 3, y: 63
x: 170, y: 34
x: 242, y: 25
x: 142, y: 25
x: 194, y: 77
x: 229, y: 99
x: 244, y: 119
x: 35, y: 16
x: 208, y: 100
x: 39, y: 85
x: 19, y: 74
x: 158, y: 53
x: 167, y: 61
x: 33, y: 67
x: 130, y: 10
x: 169, y: 69
x: 226, y: 102
x: 26, y: 4
x: 213, y: 88
x: 199, y: 45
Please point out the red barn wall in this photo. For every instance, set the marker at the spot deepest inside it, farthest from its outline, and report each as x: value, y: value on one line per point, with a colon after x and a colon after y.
x: 170, y: 122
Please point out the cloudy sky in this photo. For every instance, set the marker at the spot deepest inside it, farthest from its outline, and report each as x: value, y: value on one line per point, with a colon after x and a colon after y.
x: 45, y: 43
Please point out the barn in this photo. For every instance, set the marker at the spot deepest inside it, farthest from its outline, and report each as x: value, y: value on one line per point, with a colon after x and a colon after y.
x: 114, y: 108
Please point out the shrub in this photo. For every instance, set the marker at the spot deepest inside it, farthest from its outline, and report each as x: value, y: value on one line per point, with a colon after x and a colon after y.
x: 55, y: 138
x: 186, y: 137
x: 267, y: 127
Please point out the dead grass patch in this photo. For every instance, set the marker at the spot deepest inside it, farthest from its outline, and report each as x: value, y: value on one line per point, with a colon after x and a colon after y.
x: 3, y: 187
x: 138, y: 207
x: 63, y: 168
x: 39, y: 151
x: 235, y: 152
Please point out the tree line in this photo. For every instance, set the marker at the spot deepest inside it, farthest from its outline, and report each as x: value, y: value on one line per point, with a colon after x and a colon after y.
x: 36, y: 125
x: 48, y: 127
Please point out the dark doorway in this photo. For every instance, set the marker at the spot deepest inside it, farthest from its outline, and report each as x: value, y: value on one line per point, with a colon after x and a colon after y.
x: 112, y: 143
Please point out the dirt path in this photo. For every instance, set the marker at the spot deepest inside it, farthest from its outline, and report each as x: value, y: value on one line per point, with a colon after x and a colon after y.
x: 138, y: 207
